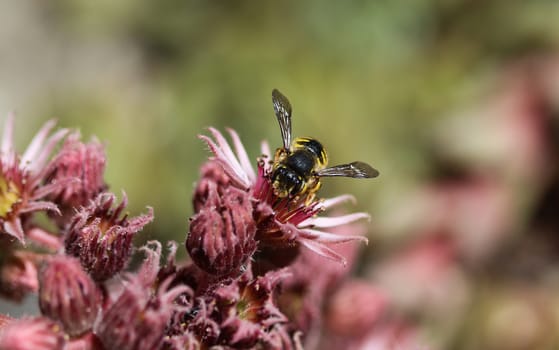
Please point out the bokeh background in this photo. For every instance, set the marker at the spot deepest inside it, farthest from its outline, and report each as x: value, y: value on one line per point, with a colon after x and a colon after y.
x: 455, y: 102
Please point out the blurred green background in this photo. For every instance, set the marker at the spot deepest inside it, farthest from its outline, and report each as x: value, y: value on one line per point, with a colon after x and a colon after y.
x: 367, y: 78
x: 378, y: 81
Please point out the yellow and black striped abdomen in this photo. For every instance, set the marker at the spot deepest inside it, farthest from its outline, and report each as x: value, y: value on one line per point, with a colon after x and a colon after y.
x: 311, y: 145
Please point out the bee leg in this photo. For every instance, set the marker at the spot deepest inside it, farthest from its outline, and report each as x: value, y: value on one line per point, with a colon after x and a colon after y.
x: 279, y: 155
x: 311, y: 192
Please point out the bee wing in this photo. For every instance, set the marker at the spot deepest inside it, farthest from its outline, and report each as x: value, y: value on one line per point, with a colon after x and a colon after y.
x: 282, y: 107
x: 358, y: 170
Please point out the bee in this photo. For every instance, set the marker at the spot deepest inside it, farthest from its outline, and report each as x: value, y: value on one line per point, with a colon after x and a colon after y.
x: 298, y: 165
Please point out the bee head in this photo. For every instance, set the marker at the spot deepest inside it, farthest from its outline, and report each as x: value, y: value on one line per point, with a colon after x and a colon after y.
x: 286, y: 182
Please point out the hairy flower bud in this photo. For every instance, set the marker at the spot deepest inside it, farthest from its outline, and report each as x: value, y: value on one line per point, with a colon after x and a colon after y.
x: 101, y: 239
x: 77, y: 160
x: 67, y: 294
x: 212, y: 176
x: 221, y: 237
x: 32, y: 334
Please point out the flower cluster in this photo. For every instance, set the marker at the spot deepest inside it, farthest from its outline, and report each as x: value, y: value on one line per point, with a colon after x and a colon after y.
x: 260, y: 269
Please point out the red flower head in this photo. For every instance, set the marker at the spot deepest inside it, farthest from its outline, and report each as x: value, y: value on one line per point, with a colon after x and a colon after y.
x: 101, y: 238
x: 22, y: 178
x: 280, y: 222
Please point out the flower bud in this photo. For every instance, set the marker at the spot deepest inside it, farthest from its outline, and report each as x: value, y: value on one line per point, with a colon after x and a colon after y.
x: 85, y: 162
x: 212, y: 176
x: 32, y: 334
x: 221, y: 237
x: 101, y: 239
x: 67, y: 294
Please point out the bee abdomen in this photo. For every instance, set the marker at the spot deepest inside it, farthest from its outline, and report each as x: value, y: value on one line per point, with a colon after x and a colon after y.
x: 312, y: 145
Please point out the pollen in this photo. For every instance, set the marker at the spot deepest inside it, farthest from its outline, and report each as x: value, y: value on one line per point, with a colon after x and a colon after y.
x: 9, y: 195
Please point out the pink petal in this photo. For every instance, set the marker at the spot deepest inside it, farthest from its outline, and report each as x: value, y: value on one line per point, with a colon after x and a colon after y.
x: 41, y: 159
x: 228, y: 153
x: 332, y: 202
x: 326, y: 237
x: 323, y: 250
x: 138, y: 222
x: 242, y: 155
x: 236, y: 175
x: 53, y: 187
x: 325, y: 221
x: 37, y: 143
x: 39, y: 205
x: 150, y: 266
x: 45, y: 238
x: 14, y: 228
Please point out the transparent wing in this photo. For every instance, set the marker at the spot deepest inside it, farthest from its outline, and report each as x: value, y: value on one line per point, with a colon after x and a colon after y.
x: 282, y: 107
x: 359, y: 170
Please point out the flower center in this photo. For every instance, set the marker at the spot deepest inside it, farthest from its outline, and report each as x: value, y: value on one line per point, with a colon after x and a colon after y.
x: 9, y: 195
x: 247, y: 309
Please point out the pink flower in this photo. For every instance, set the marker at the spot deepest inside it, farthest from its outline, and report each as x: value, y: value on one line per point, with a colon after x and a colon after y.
x: 101, y: 238
x: 22, y: 178
x: 281, y: 222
